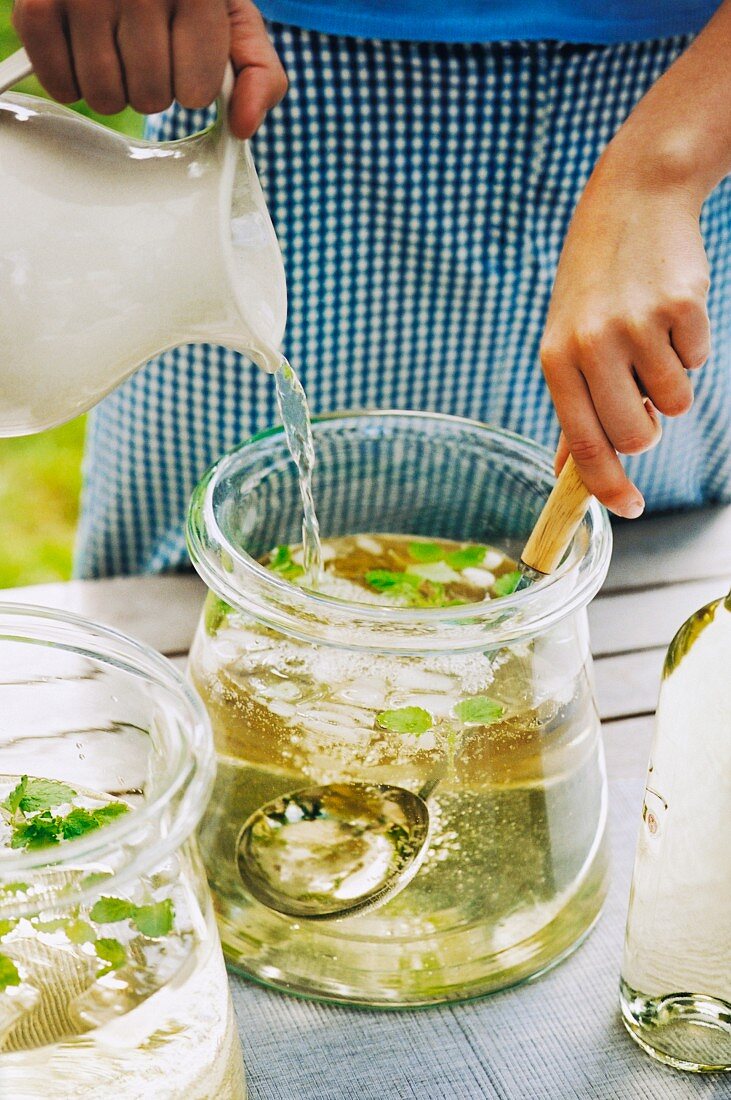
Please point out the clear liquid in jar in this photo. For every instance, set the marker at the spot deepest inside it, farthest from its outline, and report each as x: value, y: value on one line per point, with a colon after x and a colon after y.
x: 515, y: 870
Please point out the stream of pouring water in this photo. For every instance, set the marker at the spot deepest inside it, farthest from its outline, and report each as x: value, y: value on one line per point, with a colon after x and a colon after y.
x: 295, y: 414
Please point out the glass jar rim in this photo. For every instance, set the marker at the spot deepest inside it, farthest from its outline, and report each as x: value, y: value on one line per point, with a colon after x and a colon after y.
x: 246, y: 585
x: 188, y: 774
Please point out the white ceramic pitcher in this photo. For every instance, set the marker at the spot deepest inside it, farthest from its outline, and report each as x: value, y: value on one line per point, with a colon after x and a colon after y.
x: 114, y: 249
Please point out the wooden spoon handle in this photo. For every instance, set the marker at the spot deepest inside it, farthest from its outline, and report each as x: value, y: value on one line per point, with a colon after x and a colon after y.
x: 557, y: 523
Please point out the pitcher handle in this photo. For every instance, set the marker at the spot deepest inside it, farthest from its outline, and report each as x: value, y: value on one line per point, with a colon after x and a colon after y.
x: 13, y: 69
x: 19, y: 66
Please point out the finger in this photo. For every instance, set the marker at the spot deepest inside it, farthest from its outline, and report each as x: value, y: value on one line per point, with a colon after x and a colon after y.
x: 621, y: 411
x: 200, y: 47
x: 261, y: 81
x: 143, y: 41
x: 96, y: 62
x: 43, y: 32
x: 690, y: 334
x: 664, y: 378
x: 595, y: 457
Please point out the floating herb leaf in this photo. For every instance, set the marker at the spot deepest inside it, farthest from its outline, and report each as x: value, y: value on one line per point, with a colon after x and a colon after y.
x: 6, y: 926
x: 413, y: 720
x: 45, y: 828
x: 111, y: 952
x: 79, y: 931
x: 151, y: 920
x: 14, y: 888
x: 281, y: 562
x: 31, y: 794
x: 8, y: 973
x: 507, y: 583
x: 470, y: 557
x: 425, y: 551
x: 154, y: 920
x: 384, y: 580
x: 106, y: 910
x: 479, y: 710
x: 35, y: 832
x: 214, y: 614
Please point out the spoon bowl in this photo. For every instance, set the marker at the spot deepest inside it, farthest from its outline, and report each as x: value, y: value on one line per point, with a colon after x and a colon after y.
x: 333, y: 851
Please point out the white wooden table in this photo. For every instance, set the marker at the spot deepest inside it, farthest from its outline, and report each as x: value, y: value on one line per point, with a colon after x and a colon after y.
x: 559, y: 1037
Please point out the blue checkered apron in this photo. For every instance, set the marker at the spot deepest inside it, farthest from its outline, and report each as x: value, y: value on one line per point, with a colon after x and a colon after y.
x: 421, y: 193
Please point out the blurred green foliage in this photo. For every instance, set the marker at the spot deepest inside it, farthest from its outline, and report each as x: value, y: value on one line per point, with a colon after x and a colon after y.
x: 40, y: 476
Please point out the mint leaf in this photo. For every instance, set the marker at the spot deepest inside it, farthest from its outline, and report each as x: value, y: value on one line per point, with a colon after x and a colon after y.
x: 507, y: 583
x: 106, y: 910
x: 413, y: 720
x: 425, y: 551
x: 214, y: 614
x: 36, y: 832
x: 6, y: 926
x: 14, y: 888
x: 12, y: 802
x: 80, y: 821
x: 44, y: 794
x: 384, y: 580
x: 469, y: 557
x: 79, y: 931
x: 8, y: 973
x: 154, y: 920
x: 281, y: 562
x: 107, y: 813
x: 111, y: 952
x: 479, y: 710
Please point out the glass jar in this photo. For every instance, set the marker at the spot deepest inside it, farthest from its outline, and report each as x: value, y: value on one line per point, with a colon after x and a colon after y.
x: 293, y: 680
x: 112, y: 980
x: 676, y: 972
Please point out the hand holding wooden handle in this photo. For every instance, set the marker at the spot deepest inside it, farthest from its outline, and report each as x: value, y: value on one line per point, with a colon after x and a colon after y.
x: 558, y: 522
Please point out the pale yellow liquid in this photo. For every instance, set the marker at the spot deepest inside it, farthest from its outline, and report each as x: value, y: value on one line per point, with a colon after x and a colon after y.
x: 516, y: 869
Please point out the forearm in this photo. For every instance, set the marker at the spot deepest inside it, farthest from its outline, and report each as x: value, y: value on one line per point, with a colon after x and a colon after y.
x: 679, y: 134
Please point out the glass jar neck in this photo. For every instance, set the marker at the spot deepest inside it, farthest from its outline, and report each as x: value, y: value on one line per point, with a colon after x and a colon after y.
x: 231, y: 513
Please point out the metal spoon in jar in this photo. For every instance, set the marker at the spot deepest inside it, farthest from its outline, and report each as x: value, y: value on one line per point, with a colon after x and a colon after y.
x: 341, y: 849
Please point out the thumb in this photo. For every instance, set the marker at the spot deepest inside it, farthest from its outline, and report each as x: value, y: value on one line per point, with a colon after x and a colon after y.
x: 260, y: 78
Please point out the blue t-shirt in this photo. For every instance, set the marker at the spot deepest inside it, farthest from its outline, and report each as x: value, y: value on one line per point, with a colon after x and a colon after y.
x: 602, y: 21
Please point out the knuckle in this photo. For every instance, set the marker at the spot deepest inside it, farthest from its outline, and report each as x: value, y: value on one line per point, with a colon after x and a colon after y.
x: 634, y: 443
x: 684, y: 304
x: 28, y: 15
x: 612, y: 494
x: 586, y: 451
x: 280, y: 86
x: 552, y: 354
x: 591, y: 337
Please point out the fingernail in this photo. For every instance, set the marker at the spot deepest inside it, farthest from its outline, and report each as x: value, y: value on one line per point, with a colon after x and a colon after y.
x: 634, y: 509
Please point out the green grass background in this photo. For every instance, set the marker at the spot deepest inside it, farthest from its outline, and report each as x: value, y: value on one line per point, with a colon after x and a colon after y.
x: 40, y: 475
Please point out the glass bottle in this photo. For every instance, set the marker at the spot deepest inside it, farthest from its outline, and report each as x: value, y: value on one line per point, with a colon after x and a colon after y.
x: 294, y: 682
x: 676, y: 973
x: 112, y: 981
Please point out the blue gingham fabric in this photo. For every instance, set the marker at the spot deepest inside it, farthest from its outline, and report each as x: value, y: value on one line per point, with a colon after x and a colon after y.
x: 421, y: 193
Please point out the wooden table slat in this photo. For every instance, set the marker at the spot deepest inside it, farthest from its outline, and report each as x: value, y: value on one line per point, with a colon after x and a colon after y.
x: 666, y: 549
